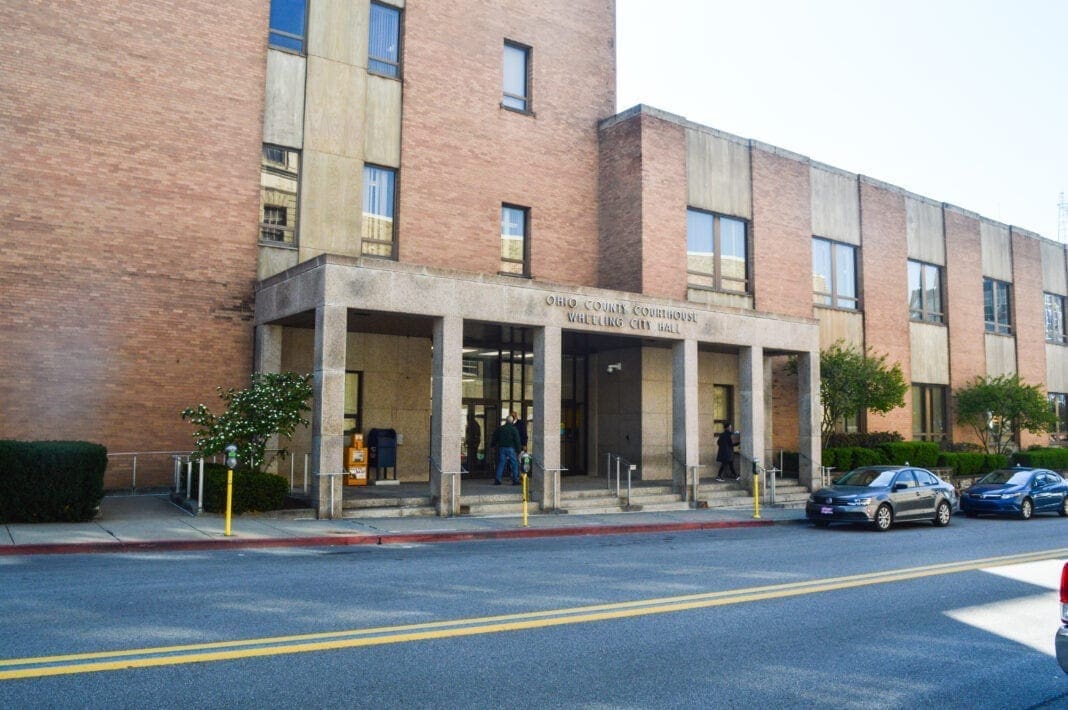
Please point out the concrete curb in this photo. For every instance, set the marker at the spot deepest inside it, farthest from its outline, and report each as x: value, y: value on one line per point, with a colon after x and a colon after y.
x: 234, y: 543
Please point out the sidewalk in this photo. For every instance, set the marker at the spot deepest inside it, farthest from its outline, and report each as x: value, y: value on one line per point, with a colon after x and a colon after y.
x: 132, y: 523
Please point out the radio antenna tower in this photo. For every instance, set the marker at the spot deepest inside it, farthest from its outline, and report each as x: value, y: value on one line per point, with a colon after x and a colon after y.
x: 1062, y: 222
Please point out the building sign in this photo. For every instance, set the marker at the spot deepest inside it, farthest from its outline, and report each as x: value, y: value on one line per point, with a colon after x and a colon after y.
x: 618, y: 315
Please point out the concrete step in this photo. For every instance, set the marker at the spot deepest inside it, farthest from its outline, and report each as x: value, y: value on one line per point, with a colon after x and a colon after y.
x: 389, y: 512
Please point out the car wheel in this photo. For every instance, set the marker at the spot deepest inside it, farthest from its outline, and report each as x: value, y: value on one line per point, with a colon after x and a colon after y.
x: 820, y: 523
x: 1027, y: 509
x: 884, y: 518
x: 942, y: 515
x: 1063, y: 510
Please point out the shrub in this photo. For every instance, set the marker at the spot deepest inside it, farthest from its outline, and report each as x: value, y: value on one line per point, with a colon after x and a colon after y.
x: 850, y: 457
x: 1056, y: 459
x: 51, y: 481
x: 916, y: 453
x: 253, y: 491
x: 867, y: 440
x: 964, y: 463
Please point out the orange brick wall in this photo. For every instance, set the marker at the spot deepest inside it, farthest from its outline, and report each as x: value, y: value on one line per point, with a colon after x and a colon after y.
x: 663, y: 253
x: 1028, y: 318
x: 620, y: 194
x: 130, y: 202
x: 963, y: 292
x: 782, y: 235
x: 462, y: 155
x: 884, y: 269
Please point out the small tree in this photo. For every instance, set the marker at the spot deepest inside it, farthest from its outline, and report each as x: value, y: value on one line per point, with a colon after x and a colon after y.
x: 273, y: 405
x: 997, y: 407
x: 852, y: 381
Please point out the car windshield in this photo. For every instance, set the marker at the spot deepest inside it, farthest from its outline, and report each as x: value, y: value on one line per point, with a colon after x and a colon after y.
x: 871, y: 477
x: 1006, y: 476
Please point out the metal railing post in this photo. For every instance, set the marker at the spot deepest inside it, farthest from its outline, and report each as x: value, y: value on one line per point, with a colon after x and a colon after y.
x: 630, y: 470
x: 133, y: 483
x: 200, y: 488
x: 619, y: 460
x: 306, y: 473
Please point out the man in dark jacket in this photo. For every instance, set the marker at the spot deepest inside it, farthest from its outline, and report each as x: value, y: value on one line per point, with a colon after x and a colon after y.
x: 725, y: 455
x: 506, y: 439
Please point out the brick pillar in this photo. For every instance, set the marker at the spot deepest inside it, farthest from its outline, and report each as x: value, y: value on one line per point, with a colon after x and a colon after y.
x: 545, y: 439
x: 446, y: 425
x: 685, y: 430
x: 328, y: 409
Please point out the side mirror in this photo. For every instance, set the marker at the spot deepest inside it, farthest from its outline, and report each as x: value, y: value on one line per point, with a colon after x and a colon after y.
x: 900, y: 487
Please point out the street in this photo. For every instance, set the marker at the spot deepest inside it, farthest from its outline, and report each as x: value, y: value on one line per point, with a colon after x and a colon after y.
x: 786, y: 616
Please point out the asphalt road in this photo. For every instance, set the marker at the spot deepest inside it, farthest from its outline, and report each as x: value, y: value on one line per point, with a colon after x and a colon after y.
x: 789, y: 616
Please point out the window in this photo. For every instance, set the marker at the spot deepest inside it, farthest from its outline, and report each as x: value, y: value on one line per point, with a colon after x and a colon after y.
x: 716, y: 252
x: 1058, y: 401
x: 996, y: 306
x: 516, y: 77
x: 928, y: 412
x: 288, y: 20
x: 925, y: 292
x: 378, y: 203
x: 514, y: 243
x: 383, y: 47
x: 722, y: 407
x: 279, y: 179
x: 1055, y: 331
x: 353, y: 402
x: 834, y: 274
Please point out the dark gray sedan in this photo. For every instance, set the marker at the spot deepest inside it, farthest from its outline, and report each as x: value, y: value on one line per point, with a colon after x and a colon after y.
x: 881, y: 496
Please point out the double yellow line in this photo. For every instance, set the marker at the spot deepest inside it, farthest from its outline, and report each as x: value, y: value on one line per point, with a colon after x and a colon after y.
x: 303, y: 643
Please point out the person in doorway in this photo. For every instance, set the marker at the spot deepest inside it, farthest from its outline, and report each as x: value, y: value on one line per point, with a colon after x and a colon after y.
x: 473, y: 434
x: 521, y: 427
x: 506, y: 439
x: 725, y: 454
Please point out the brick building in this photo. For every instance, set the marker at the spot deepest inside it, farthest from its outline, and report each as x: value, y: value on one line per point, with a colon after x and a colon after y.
x: 432, y: 208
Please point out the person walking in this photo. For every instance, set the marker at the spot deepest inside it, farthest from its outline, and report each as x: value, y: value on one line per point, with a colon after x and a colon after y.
x: 521, y: 427
x: 725, y: 455
x: 506, y: 439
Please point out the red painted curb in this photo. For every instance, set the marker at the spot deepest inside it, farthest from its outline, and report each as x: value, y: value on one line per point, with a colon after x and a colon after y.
x: 370, y: 539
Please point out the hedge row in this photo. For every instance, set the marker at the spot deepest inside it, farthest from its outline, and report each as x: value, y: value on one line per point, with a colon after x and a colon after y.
x: 918, y: 453
x: 1056, y: 459
x: 51, y: 481
x: 253, y: 491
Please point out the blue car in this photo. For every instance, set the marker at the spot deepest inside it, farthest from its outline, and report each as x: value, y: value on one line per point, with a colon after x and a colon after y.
x: 1017, y: 491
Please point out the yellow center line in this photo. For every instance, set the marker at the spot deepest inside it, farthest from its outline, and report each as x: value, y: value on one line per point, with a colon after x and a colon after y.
x: 67, y: 664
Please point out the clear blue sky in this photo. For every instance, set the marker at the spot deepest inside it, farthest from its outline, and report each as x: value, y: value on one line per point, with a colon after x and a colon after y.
x: 964, y: 102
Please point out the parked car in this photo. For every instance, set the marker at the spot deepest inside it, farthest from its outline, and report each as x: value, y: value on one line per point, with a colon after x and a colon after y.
x: 1062, y: 633
x: 881, y: 496
x: 1017, y: 491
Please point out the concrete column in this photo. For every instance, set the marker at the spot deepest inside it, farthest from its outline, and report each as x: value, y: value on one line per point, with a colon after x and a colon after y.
x: 751, y: 382
x: 810, y: 418
x: 684, y: 423
x: 545, y: 439
x: 328, y: 408
x: 267, y: 356
x: 446, y: 420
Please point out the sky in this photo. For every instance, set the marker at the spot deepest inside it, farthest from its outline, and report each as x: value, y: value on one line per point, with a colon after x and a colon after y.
x: 964, y: 102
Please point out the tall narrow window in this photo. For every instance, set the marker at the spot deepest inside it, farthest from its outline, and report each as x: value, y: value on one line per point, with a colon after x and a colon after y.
x: 1055, y: 324
x: 716, y: 252
x: 925, y: 292
x: 353, y: 414
x: 997, y: 311
x: 516, y: 77
x: 1058, y: 401
x: 288, y: 21
x: 279, y: 180
x: 928, y: 412
x: 834, y: 274
x: 722, y: 407
x: 514, y: 240
x: 378, y: 205
x: 383, y: 47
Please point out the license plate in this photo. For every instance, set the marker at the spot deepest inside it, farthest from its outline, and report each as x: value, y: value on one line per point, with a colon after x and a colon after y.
x: 826, y: 510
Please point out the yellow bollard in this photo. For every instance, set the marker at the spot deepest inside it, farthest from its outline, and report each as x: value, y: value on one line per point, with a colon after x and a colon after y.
x: 229, y: 497
x: 524, y: 500
x: 756, y: 490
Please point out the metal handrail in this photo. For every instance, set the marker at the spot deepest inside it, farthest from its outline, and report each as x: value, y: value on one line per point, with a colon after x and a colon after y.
x: 630, y: 470
x: 455, y: 495
x: 135, y: 454
x: 535, y: 461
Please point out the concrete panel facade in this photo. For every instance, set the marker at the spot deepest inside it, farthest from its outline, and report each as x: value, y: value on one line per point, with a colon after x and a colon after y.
x: 382, y: 138
x: 997, y: 250
x: 930, y: 353
x: 283, y: 108
x: 1054, y: 267
x: 1056, y: 368
x: 331, y: 208
x: 1000, y: 355
x: 838, y: 325
x: 718, y: 173
x: 835, y: 205
x: 924, y: 231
